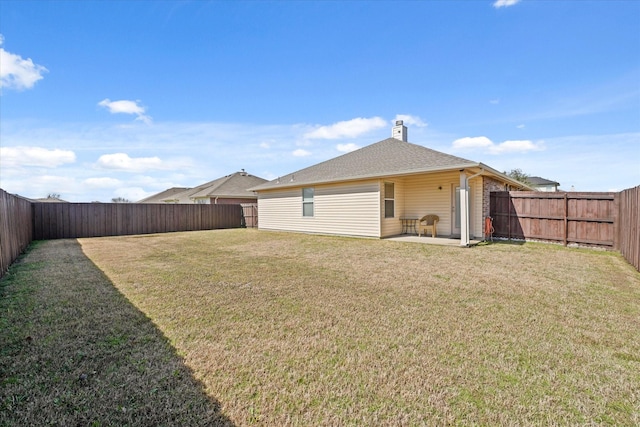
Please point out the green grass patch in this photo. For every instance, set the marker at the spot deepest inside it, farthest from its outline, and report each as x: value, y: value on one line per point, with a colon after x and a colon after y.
x: 292, y: 329
x: 74, y: 351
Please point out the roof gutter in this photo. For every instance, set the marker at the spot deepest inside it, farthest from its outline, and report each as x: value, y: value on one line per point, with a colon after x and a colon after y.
x: 465, y: 220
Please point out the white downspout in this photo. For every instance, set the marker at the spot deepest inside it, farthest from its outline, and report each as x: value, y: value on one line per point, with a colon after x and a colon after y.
x: 465, y: 221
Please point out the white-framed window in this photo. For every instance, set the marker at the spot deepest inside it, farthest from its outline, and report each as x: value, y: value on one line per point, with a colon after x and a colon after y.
x: 307, y: 201
x: 389, y: 200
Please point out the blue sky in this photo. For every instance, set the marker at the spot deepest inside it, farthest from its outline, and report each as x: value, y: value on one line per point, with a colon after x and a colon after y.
x: 105, y: 99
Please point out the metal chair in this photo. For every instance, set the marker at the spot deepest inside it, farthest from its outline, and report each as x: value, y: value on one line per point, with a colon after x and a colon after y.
x: 428, y: 222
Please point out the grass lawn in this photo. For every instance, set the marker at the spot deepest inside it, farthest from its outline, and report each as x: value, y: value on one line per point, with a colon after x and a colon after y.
x: 280, y: 329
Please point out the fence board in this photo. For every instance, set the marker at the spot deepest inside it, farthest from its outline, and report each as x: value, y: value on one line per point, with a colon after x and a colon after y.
x: 250, y: 215
x: 629, y: 226
x: 72, y: 220
x: 569, y: 218
x: 16, y: 231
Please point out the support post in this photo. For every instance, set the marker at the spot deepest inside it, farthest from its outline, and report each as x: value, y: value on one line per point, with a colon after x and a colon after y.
x: 464, y: 209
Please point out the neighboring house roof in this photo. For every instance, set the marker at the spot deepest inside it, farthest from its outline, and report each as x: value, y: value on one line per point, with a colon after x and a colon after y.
x: 537, y: 181
x: 233, y: 186
x: 160, y: 197
x: 389, y: 157
x: 49, y: 200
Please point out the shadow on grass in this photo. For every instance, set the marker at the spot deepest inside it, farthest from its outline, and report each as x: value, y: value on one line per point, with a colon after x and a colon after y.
x: 74, y: 351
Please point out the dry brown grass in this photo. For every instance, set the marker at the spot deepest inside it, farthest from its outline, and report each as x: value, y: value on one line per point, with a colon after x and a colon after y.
x: 290, y: 329
x: 308, y: 330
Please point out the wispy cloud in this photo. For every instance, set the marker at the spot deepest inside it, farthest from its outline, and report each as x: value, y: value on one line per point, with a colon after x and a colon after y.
x: 126, y: 107
x: 301, y: 153
x: 504, y: 3
x: 16, y: 72
x: 486, y: 145
x: 411, y: 120
x: 102, y: 182
x: 34, y: 156
x: 346, y: 148
x: 122, y: 162
x: 347, y: 129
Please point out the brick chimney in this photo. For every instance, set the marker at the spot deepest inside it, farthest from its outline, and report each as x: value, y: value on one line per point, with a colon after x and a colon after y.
x: 399, y: 131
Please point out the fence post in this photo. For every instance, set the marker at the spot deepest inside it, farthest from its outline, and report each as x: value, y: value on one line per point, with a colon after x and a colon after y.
x: 566, y: 218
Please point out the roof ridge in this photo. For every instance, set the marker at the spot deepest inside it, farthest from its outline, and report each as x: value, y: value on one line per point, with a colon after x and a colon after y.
x: 390, y: 156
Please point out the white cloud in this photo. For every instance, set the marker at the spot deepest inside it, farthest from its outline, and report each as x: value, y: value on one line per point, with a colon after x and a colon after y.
x: 126, y: 107
x: 494, y: 101
x: 103, y: 182
x: 347, y: 129
x: 516, y: 147
x: 410, y: 120
x: 472, y: 142
x: 521, y: 126
x: 301, y: 153
x: 35, y: 156
x: 504, y: 3
x: 345, y: 148
x: 485, y: 144
x: 132, y: 194
x: 16, y: 72
x: 122, y: 161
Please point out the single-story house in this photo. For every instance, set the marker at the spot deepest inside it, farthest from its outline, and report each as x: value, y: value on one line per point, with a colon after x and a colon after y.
x: 163, y: 195
x: 377, y: 190
x: 230, y: 189
x: 542, y: 184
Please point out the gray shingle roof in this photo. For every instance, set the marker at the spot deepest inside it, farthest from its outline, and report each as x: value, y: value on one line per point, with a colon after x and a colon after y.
x: 536, y: 180
x: 385, y: 158
x: 235, y: 185
x: 161, y: 196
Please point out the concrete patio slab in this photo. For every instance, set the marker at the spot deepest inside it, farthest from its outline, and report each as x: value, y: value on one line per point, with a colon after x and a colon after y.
x: 442, y: 241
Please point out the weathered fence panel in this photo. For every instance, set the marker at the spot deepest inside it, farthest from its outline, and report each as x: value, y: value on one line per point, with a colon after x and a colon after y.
x: 16, y: 231
x: 568, y: 218
x: 250, y: 215
x: 72, y: 220
x: 629, y: 226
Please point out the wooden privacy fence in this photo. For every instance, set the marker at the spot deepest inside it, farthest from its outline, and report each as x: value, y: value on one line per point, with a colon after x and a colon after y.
x: 16, y: 231
x: 568, y: 218
x: 250, y: 215
x: 22, y: 221
x: 629, y: 225
x: 71, y: 220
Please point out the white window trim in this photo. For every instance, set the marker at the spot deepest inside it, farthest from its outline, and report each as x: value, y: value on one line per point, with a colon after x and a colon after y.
x: 393, y: 199
x: 307, y: 201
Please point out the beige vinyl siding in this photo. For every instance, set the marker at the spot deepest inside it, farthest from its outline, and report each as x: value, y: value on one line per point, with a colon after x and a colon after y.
x: 431, y: 194
x: 420, y: 195
x: 345, y: 209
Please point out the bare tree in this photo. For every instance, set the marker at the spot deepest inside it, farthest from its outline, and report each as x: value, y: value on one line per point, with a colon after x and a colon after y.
x: 120, y: 200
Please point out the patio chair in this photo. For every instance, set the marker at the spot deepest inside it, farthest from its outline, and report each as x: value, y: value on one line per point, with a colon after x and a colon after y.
x: 428, y: 222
